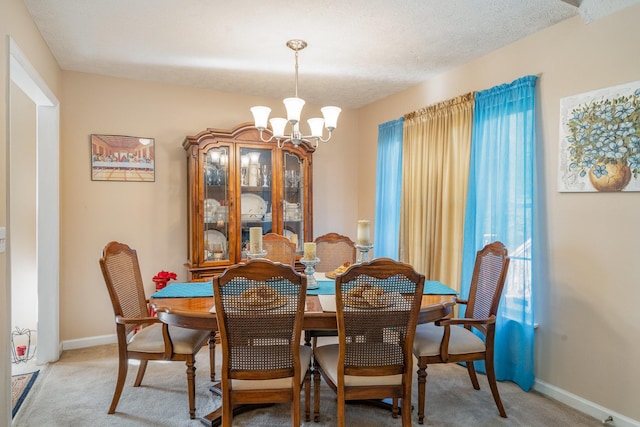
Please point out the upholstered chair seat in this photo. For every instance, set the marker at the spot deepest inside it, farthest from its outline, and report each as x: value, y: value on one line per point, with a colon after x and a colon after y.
x: 327, y: 356
x: 461, y: 341
x: 150, y: 340
x: 277, y: 383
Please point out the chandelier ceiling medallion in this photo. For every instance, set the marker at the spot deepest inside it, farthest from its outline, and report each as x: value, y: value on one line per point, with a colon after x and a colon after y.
x: 294, y: 108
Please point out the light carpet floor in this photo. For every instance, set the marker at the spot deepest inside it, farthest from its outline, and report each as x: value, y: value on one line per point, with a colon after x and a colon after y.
x: 77, y: 391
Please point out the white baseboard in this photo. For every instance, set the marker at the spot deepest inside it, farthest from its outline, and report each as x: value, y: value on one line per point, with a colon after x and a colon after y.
x: 590, y: 408
x: 89, y: 342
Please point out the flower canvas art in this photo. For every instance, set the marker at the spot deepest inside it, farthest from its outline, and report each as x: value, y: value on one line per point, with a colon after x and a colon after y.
x: 600, y: 140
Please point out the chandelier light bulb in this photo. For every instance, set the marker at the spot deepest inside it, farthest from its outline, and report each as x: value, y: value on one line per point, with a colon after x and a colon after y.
x: 330, y: 117
x: 278, y: 125
x: 316, y: 125
x: 260, y: 116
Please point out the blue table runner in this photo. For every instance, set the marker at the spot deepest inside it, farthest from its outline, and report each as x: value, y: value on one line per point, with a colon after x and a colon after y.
x: 185, y: 290
x: 327, y: 287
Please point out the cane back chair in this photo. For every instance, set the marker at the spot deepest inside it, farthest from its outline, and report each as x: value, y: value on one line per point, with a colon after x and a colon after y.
x: 377, y: 307
x: 334, y: 250
x: 140, y: 336
x: 279, y: 249
x: 447, y: 342
x: 260, y: 309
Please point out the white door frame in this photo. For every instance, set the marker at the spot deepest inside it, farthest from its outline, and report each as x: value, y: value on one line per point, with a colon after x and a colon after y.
x: 23, y: 75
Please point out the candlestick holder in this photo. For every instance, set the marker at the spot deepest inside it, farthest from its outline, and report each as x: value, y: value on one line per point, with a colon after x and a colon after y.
x: 363, y: 253
x: 257, y: 255
x: 312, y: 283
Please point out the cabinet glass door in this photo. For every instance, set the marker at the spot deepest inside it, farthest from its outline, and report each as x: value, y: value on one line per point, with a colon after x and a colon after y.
x: 293, y: 201
x: 216, y: 204
x: 255, y: 193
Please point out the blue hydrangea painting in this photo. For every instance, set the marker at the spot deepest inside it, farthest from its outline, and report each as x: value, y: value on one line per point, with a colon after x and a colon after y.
x: 600, y: 140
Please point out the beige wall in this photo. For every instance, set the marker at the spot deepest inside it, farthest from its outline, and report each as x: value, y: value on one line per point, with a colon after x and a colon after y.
x: 152, y: 217
x: 589, y: 282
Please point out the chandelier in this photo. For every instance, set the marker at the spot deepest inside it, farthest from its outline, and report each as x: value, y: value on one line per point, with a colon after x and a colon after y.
x: 294, y: 108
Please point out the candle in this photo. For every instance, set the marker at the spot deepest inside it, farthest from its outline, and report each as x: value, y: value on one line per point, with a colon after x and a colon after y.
x: 309, y: 251
x: 255, y: 240
x: 21, y: 350
x: 364, y: 233
x: 294, y: 239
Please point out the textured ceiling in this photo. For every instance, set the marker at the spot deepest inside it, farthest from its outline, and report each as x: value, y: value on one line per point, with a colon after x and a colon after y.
x: 359, y: 50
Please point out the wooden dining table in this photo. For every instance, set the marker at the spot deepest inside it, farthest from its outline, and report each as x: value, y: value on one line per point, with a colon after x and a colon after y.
x: 196, y: 313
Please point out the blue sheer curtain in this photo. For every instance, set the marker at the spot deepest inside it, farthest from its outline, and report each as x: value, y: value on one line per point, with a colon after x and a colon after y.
x: 388, y: 189
x: 500, y: 204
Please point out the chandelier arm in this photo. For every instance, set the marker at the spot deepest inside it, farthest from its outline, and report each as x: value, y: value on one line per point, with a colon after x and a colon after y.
x: 328, y: 137
x: 266, y: 140
x: 316, y: 138
x: 311, y: 140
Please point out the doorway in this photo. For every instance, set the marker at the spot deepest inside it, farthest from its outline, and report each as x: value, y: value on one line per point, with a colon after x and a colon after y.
x: 46, y: 203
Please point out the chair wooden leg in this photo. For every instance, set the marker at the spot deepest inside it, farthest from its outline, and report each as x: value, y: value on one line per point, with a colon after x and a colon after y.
x: 491, y: 377
x: 341, y: 405
x: 123, y: 365
x: 472, y: 375
x: 406, y: 408
x: 191, y: 386
x: 227, y: 407
x: 394, y: 408
x: 295, y: 407
x: 141, y: 370
x: 212, y: 355
x: 307, y: 396
x: 422, y: 381
x: 316, y: 394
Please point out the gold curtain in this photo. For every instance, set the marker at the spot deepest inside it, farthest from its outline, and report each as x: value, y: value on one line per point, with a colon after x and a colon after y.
x: 436, y: 150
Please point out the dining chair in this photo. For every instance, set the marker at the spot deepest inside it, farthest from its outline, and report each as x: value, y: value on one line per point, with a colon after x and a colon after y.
x: 334, y: 250
x: 260, y: 307
x: 279, y: 249
x: 452, y: 340
x: 377, y: 306
x: 140, y: 336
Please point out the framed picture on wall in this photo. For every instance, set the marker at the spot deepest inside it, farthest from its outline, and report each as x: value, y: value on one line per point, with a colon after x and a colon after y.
x: 600, y: 140
x: 122, y: 158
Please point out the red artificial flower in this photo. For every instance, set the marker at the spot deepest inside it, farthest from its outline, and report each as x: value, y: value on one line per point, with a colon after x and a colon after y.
x: 167, y: 275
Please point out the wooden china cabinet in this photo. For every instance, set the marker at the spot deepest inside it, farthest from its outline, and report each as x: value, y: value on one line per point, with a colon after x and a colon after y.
x: 235, y: 182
